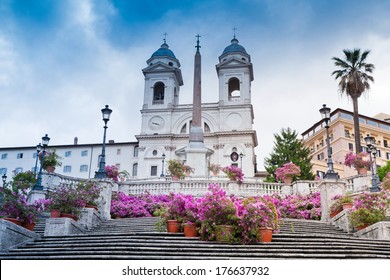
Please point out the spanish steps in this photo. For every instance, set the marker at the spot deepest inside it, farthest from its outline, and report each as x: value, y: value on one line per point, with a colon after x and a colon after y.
x: 138, y: 238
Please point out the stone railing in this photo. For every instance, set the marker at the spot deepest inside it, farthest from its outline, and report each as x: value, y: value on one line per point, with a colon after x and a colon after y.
x: 54, y: 180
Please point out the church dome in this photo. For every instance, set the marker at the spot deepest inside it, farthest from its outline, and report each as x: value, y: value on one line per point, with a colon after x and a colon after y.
x: 234, y: 47
x: 164, y: 51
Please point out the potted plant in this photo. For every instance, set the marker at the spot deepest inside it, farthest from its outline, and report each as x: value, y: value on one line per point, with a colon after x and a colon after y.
x: 112, y: 172
x: 258, y: 219
x: 214, y: 168
x: 363, y: 217
x: 175, y: 212
x: 68, y: 201
x: 218, y: 215
x: 358, y: 161
x: 287, y: 172
x: 176, y: 169
x: 191, y: 222
x: 50, y: 160
x: 234, y: 173
x: 89, y: 192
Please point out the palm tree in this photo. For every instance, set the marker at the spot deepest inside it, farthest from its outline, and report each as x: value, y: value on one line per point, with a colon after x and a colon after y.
x: 354, y: 81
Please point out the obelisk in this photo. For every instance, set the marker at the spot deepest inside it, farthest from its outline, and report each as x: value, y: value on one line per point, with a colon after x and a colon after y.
x: 196, y: 150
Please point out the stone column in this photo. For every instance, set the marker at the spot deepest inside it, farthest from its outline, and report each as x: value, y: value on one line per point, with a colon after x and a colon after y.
x: 328, y: 189
x: 34, y: 195
x: 104, y: 202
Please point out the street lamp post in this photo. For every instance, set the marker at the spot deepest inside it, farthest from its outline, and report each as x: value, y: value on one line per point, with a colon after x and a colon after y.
x: 101, y: 173
x: 162, y: 169
x: 4, y: 177
x: 39, y: 149
x: 38, y: 185
x: 370, y: 142
x: 330, y: 174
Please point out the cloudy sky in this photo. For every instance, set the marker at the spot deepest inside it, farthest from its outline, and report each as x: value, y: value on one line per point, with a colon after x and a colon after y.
x: 62, y: 61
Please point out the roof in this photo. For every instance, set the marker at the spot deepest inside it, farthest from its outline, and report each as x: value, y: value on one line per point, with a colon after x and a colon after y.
x: 164, y: 51
x: 234, y: 47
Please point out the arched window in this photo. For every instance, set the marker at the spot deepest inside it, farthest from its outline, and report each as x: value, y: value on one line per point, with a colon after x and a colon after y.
x: 158, y: 93
x: 135, y: 170
x: 184, y: 128
x: 206, y: 127
x: 234, y: 89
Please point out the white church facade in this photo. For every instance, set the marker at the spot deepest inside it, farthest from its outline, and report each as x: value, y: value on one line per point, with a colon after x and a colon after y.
x: 228, y: 135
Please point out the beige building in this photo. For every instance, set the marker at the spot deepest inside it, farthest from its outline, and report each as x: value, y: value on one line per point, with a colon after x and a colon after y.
x: 342, y: 141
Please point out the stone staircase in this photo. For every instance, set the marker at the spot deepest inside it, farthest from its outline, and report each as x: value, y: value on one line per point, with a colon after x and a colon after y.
x: 139, y: 239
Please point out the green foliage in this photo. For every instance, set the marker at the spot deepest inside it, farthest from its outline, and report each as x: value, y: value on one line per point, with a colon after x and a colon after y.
x: 23, y: 181
x: 383, y: 170
x: 288, y: 148
x: 51, y: 158
x: 364, y: 216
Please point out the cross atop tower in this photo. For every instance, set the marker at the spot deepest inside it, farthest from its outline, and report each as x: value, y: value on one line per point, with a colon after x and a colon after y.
x: 197, y: 43
x: 234, y: 32
x: 165, y: 37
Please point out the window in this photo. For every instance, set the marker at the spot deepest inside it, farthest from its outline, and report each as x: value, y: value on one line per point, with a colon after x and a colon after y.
x: 350, y: 146
x: 19, y: 155
x: 206, y: 127
x: 67, y: 169
x: 385, y: 143
x: 234, y: 89
x: 378, y: 153
x: 184, y: 129
x: 347, y: 133
x: 4, y: 156
x: 388, y: 155
x: 135, y: 169
x: 154, y: 152
x: 3, y: 171
x: 18, y: 170
x: 153, y: 170
x: 68, y: 153
x: 158, y: 93
x: 84, y: 168
x: 136, y: 149
x: 118, y: 151
x: 320, y: 156
x: 84, y: 153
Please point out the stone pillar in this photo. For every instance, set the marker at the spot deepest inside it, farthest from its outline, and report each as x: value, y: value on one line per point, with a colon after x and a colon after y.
x: 104, y: 201
x: 328, y: 189
x: 34, y: 195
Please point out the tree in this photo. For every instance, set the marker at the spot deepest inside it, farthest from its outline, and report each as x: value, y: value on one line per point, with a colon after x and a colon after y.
x: 354, y: 81
x: 287, y: 147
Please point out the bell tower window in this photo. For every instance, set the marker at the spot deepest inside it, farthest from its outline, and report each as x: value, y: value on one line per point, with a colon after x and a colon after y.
x: 234, y: 89
x: 158, y: 93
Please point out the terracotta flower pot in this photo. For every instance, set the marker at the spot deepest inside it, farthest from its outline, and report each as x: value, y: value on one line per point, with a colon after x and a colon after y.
x: 333, y: 214
x: 190, y: 231
x: 264, y: 234
x: 55, y: 213
x: 173, y: 226
x: 347, y: 206
x: 29, y: 226
x: 362, y: 227
x: 362, y: 171
x: 288, y: 180
x: 50, y: 169
x: 13, y: 220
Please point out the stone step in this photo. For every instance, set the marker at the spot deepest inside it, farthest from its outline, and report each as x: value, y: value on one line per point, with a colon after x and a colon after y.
x: 138, y: 239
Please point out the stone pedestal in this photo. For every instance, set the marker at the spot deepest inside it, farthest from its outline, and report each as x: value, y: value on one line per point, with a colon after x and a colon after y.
x: 328, y: 189
x: 89, y: 218
x: 12, y: 235
x: 62, y: 226
x: 104, y: 201
x: 35, y: 195
x: 341, y: 220
x: 196, y: 158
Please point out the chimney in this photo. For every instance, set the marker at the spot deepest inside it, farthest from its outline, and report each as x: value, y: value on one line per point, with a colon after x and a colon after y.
x: 75, y: 141
x: 111, y: 141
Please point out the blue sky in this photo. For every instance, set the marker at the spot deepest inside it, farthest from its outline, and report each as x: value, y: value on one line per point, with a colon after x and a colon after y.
x: 62, y: 61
